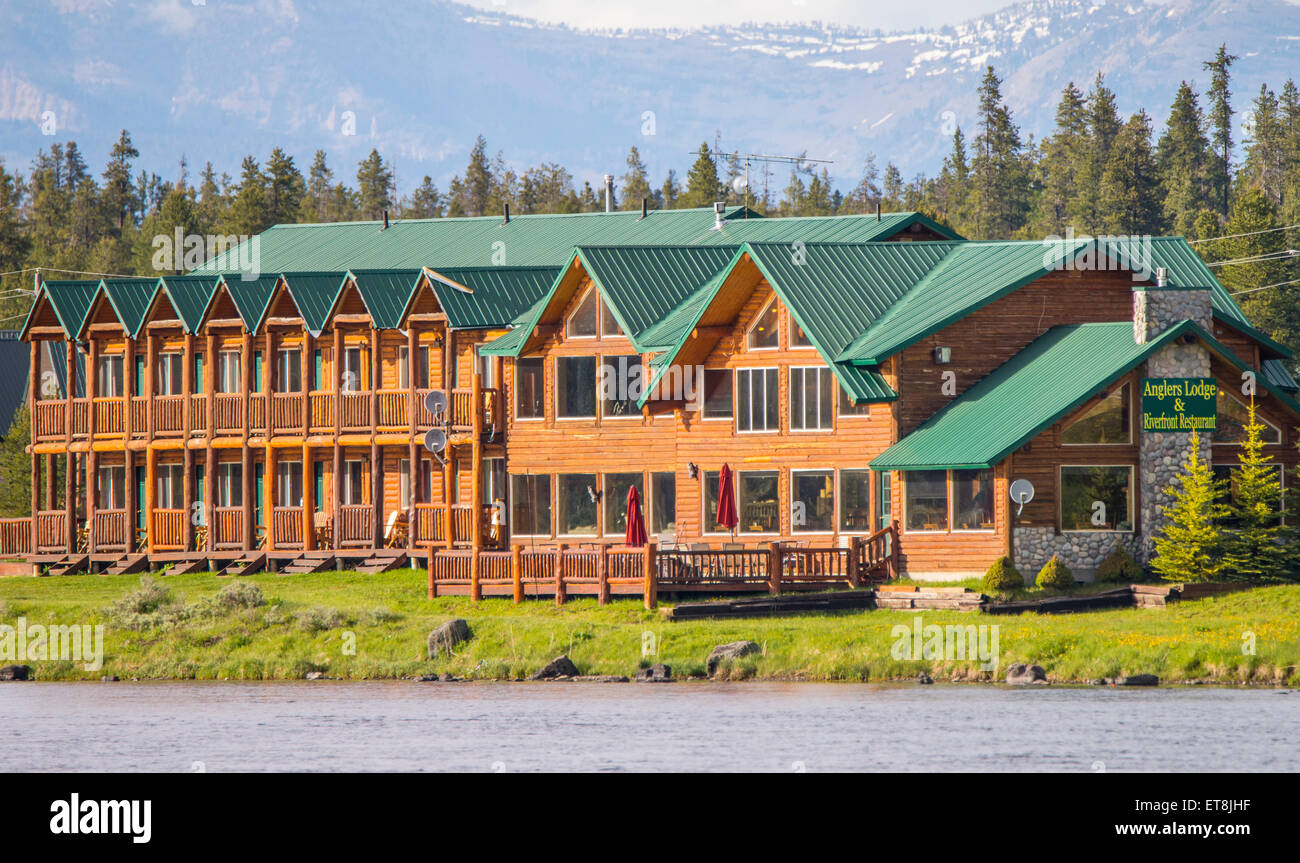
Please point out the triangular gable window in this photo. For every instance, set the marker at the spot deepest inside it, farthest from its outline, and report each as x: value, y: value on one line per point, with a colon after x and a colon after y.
x: 582, y: 323
x: 1233, y: 417
x: 763, y: 333
x: 608, y: 323
x: 1106, y: 422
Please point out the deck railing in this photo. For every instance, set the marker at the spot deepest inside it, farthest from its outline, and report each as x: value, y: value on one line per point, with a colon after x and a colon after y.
x: 168, y: 529
x: 110, y: 418
x: 257, y: 412
x: 51, y: 530
x: 199, y: 413
x: 168, y: 414
x: 230, y: 412
x: 109, y: 529
x: 139, y: 415
x: 430, y: 523
x: 286, y: 412
x: 392, y: 409
x: 322, y: 411
x: 81, y: 417
x: 15, y: 535
x: 355, y: 411
x: 355, y: 525
x: 50, y: 418
x: 228, y: 526
x: 286, y: 526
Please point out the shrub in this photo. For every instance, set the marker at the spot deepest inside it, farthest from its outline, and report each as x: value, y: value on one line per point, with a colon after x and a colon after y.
x: 319, y: 619
x: 376, y: 616
x: 1002, y: 577
x: 239, y: 594
x: 146, y: 599
x: 1055, y: 575
x: 1119, y: 565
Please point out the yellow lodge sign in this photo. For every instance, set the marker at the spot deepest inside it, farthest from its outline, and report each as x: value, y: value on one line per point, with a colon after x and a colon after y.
x: 1180, y: 404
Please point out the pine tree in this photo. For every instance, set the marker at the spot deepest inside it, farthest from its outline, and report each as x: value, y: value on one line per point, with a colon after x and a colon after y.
x: 424, y: 203
x: 1267, y: 148
x: 1130, y: 184
x: 375, y: 186
x: 1062, y: 158
x: 248, y: 213
x: 1254, y: 547
x: 1275, y: 310
x: 1189, y: 546
x: 1180, y: 161
x: 15, y: 464
x: 999, y: 186
x: 119, y: 191
x: 701, y: 181
x: 866, y: 194
x: 669, y: 195
x: 636, y: 187
x: 1104, y: 125
x: 284, y: 188
x: 315, y: 205
x: 1220, y: 98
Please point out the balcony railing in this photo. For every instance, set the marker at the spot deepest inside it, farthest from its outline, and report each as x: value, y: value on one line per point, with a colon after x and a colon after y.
x: 15, y: 535
x: 355, y: 408
x: 228, y: 526
x: 322, y: 411
x: 393, y: 409
x: 50, y: 418
x: 286, y: 526
x: 355, y: 525
x: 198, y: 413
x: 81, y: 417
x: 168, y: 529
x: 139, y: 415
x: 52, y: 530
x: 430, y: 519
x: 169, y: 414
x: 257, y: 412
x: 230, y: 412
x: 286, y: 412
x: 109, y: 530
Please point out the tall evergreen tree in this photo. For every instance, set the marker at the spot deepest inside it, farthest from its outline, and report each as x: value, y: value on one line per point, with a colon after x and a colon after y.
x: 248, y: 213
x: 636, y: 186
x: 702, y: 186
x: 284, y: 188
x: 1220, y: 98
x: 1189, y: 546
x: 1181, y: 163
x: 424, y: 203
x: 1130, y: 184
x: 999, y: 186
x: 1255, y: 548
x: 669, y: 195
x: 1063, y: 154
x: 1103, y: 128
x: 119, y: 191
x: 374, y: 186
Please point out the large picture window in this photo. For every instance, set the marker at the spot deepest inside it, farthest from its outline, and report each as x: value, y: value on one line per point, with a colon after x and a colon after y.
x: 530, y: 505
x: 1106, y: 422
x: 616, y: 376
x: 972, y: 494
x: 926, y: 499
x: 575, y: 387
x: 663, y: 505
x: 582, y: 323
x: 615, y: 501
x: 810, y: 399
x: 1097, y: 497
x: 812, y: 501
x: 757, y: 400
x: 1233, y: 417
x: 759, y: 502
x: 855, y: 501
x: 577, y: 504
x: 530, y: 388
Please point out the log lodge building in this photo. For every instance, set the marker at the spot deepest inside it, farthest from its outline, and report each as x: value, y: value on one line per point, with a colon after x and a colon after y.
x: 873, y: 383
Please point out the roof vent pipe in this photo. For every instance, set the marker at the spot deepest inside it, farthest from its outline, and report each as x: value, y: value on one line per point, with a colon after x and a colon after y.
x: 609, y: 193
x: 719, y: 210
x: 645, y: 208
x: 1162, y: 277
x: 877, y: 211
x: 385, y: 220
x: 507, y: 218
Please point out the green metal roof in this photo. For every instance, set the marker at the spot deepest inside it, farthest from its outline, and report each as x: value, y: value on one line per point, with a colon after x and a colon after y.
x: 252, y: 297
x: 130, y: 299
x: 1243, y: 327
x: 534, y: 240
x: 1057, y: 373
x: 385, y: 293
x: 314, y: 294
x: 190, y: 296
x: 1277, y: 374
x: 70, y: 299
x: 495, y: 297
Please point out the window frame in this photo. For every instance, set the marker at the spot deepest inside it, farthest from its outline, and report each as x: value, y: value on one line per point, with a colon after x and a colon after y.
x: 839, y: 499
x: 223, y: 362
x: 541, y: 402
x: 835, y: 500
x: 600, y: 402
x: 115, y: 488
x: 749, y: 371
x: 172, y: 478
x: 559, y: 505
x: 111, y: 368
x: 952, y: 501
x: 550, y: 504
x: 606, y: 499
x: 346, y: 490
x: 947, y: 486
x: 590, y: 294
x: 1078, y: 417
x: 171, y: 365
x: 738, y: 478
x: 831, y: 417
x: 595, y: 393
x: 728, y: 375
x: 653, y: 484
x: 225, y: 471
x: 1060, y: 499
x: 753, y: 324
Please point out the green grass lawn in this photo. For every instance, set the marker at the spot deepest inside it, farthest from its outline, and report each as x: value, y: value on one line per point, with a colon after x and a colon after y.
x: 375, y: 626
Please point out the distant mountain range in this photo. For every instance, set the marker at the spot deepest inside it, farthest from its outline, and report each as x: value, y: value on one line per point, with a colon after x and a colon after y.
x: 420, y: 79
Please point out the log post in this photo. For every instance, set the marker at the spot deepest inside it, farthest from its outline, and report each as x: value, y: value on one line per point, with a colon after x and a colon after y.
x: 774, y: 564
x: 475, y: 586
x: 851, y: 569
x: 210, y: 490
x: 247, y: 491
x: 308, y: 500
x: 187, y: 491
x: 893, y: 550
x: 33, y: 380
x: 433, y: 590
x: 602, y: 575
x: 268, y: 493
x: 649, y: 572
x: 413, y: 449
x: 150, y: 493
x: 308, y: 368
x: 476, y: 462
x: 448, y: 495
x: 517, y: 572
x: 70, y: 502
x: 92, y: 481
x: 336, y: 493
x: 559, y: 574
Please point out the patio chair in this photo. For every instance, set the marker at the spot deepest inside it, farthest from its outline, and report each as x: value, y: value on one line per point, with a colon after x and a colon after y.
x: 395, y: 531
x: 323, y: 525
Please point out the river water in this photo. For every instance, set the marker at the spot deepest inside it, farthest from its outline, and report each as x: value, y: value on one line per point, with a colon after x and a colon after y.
x: 408, y: 726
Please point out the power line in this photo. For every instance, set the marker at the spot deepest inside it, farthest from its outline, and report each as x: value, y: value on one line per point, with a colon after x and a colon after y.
x: 1266, y: 287
x: 1247, y: 234
x: 1254, y: 259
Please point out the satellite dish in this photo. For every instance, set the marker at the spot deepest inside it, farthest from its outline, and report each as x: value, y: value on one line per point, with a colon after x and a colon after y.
x: 435, y: 402
x: 1022, y: 492
x: 435, y: 440
x: 738, y: 185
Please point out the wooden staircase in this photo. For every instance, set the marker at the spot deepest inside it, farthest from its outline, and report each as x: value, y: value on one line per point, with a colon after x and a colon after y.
x: 254, y: 561
x: 185, y: 567
x: 308, y: 563
x: 70, y: 564
x: 382, y: 561
x: 128, y: 563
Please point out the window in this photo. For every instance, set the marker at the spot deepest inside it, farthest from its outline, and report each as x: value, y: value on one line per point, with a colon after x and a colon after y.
x: 112, y: 487
x: 1228, y: 474
x: 810, y: 399
x: 812, y: 501
x: 575, y: 387
x: 846, y: 408
x: 485, y: 366
x: 109, y: 379
x: 577, y: 504
x: 404, y: 483
x: 352, y: 490
x: 798, y: 338
x: 198, y: 373
x: 1106, y: 422
x: 617, y: 375
x: 756, y: 400
x: 288, y: 483
x: 608, y: 323
x: 171, y: 487
x: 855, y: 501
x: 758, y: 502
x: 424, y: 488
x: 421, y: 367
x: 1096, y: 498
x: 1233, y: 417
x: 615, y: 501
x: 710, y: 519
x: 663, y: 503
x: 763, y: 333
x: 230, y: 484
x: 229, y: 378
x: 352, y: 367
x: 288, y: 370
x: 582, y: 323
x: 492, y: 482
x: 530, y: 505
x: 717, y: 394
x: 885, y: 499
x: 530, y: 388
x: 927, y: 499
x: 169, y: 375
x: 972, y: 495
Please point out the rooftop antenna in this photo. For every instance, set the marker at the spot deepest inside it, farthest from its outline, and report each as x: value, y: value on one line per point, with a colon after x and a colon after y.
x: 766, y: 160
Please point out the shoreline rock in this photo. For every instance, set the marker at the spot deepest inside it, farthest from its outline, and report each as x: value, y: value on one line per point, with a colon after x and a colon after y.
x: 657, y: 673
x: 1020, y: 674
x: 16, y: 672
x: 730, y: 651
x: 446, y: 637
x: 560, y: 666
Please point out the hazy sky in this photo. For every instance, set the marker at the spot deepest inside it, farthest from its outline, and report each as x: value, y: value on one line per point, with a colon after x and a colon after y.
x: 669, y: 13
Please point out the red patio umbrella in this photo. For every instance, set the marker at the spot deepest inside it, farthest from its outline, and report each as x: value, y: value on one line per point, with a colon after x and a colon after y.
x: 635, y: 523
x: 727, y: 501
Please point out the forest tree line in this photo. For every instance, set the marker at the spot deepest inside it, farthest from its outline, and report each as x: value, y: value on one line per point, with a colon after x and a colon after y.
x: 1096, y: 172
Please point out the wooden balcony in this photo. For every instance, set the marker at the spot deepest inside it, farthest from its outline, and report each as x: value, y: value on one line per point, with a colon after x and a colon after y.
x: 168, y: 414
x: 81, y: 417
x: 286, y: 413
x: 286, y: 526
x: 168, y: 529
x: 51, y: 530
x: 393, y: 413
x: 228, y: 527
x: 257, y: 412
x: 199, y: 414
x: 430, y: 520
x: 15, y: 535
x: 354, y: 411
x: 322, y: 411
x: 355, y: 525
x: 229, y: 413
x: 110, y: 530
x: 48, y: 423
x: 140, y: 416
